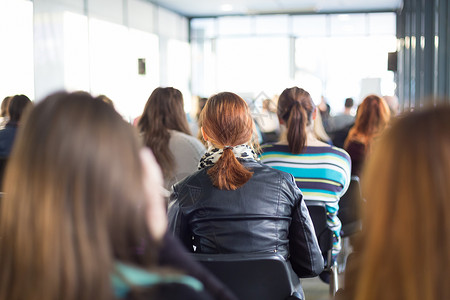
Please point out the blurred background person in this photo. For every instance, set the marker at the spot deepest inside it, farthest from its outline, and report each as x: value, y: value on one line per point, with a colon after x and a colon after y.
x: 403, y: 251
x: 105, y: 99
x: 4, y: 114
x: 165, y: 130
x: 267, y: 121
x: 16, y: 108
x: 372, y: 118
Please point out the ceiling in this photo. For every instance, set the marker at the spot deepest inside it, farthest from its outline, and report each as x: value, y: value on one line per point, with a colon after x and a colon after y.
x: 209, y: 8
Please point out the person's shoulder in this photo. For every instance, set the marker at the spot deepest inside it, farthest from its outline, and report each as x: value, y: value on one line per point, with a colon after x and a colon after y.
x: 196, y: 179
x: 181, y: 137
x: 339, y: 151
x: 263, y: 169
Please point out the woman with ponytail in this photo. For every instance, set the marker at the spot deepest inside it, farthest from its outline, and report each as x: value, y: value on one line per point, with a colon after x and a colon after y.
x: 322, y: 172
x: 235, y: 204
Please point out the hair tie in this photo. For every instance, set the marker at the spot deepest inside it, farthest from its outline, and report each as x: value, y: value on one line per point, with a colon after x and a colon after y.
x: 227, y: 147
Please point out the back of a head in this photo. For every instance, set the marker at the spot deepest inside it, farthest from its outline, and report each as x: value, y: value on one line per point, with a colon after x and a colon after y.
x: 163, y: 111
x: 371, y: 119
x: 17, y: 106
x: 105, y: 99
x: 407, y: 192
x: 227, y: 122
x: 295, y: 108
x: 4, y: 106
x: 349, y: 103
x: 69, y: 212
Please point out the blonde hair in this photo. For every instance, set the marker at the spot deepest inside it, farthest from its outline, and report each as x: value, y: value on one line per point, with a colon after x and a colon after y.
x: 405, y: 245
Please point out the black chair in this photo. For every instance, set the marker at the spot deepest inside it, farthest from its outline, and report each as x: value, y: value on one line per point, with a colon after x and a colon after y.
x: 254, y: 276
x: 318, y: 213
x: 349, y: 208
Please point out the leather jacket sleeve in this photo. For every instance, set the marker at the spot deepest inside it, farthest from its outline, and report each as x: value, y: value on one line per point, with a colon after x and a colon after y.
x: 178, y: 224
x: 305, y: 255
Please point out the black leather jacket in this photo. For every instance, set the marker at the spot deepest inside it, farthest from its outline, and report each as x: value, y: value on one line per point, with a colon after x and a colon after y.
x: 267, y: 214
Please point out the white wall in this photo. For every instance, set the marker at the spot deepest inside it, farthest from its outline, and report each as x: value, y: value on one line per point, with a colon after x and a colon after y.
x: 92, y: 45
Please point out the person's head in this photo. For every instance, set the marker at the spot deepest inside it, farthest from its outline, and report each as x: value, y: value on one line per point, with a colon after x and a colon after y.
x: 17, y: 106
x: 163, y: 111
x: 371, y: 119
x: 5, y: 106
x: 406, y: 238
x: 200, y: 105
x: 227, y: 122
x: 76, y: 201
x: 349, y: 103
x: 105, y: 99
x: 296, y: 110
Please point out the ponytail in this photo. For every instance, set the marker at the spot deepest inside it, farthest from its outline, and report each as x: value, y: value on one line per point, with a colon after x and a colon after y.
x: 295, y: 108
x: 296, y: 128
x: 228, y: 173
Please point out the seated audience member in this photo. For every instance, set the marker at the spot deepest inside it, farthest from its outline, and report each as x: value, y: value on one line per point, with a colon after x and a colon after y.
x: 322, y: 172
x: 403, y: 251
x: 345, y: 118
x: 267, y: 121
x: 235, y: 204
x: 165, y: 130
x: 371, y: 119
x: 105, y: 99
x: 82, y: 216
x: 341, y: 124
x: 4, y: 114
x: 16, y: 108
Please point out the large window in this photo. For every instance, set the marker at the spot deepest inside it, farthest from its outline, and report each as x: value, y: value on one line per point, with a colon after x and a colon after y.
x: 334, y: 55
x: 16, y: 50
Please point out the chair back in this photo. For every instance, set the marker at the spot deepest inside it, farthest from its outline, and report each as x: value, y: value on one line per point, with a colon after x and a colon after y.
x: 349, y: 208
x: 318, y: 213
x: 258, y: 276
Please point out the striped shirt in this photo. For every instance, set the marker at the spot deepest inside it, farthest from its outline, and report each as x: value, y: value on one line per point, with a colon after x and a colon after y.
x: 321, y: 172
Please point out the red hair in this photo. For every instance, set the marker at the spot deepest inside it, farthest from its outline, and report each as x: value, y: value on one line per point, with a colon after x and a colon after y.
x: 226, y: 121
x: 372, y: 117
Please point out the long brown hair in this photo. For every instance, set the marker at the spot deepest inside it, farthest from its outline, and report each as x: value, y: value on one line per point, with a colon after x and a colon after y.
x: 406, y: 243
x: 226, y: 120
x: 74, y: 202
x: 163, y: 111
x: 295, y: 108
x: 371, y: 119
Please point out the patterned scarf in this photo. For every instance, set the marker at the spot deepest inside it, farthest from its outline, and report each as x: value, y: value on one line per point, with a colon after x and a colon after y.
x: 244, y: 152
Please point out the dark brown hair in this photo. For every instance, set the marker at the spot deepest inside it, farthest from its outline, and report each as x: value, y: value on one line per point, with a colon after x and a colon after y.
x: 226, y: 120
x: 17, y: 106
x: 164, y: 111
x: 406, y: 243
x: 74, y: 202
x: 372, y: 117
x: 295, y: 108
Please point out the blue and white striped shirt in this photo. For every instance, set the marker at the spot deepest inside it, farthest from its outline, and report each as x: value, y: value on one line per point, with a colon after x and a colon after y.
x: 321, y: 172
